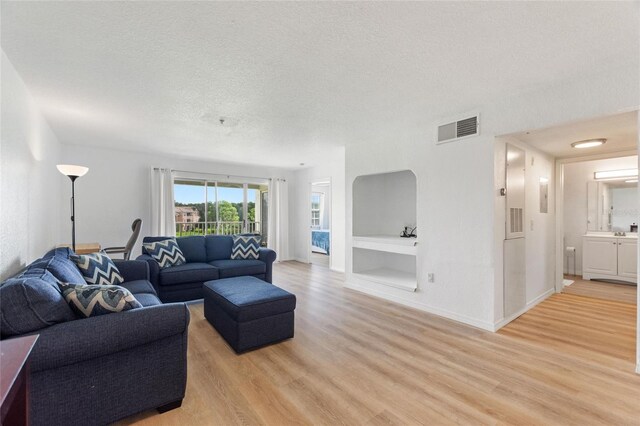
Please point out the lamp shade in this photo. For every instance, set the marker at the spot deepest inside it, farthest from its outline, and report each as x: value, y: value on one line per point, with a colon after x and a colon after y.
x: 71, y: 170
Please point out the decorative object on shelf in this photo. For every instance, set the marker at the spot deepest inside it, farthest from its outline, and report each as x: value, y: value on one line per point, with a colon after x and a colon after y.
x: 633, y: 227
x: 409, y: 232
x: 73, y: 172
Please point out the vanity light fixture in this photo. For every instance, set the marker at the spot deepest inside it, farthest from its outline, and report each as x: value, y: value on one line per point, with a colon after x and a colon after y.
x: 589, y: 143
x: 616, y: 174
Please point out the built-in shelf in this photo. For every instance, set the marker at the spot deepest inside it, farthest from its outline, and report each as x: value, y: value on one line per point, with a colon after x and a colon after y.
x: 383, y: 205
x: 388, y: 243
x: 391, y: 277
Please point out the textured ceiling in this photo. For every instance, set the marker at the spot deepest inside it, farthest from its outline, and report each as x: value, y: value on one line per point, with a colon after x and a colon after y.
x: 620, y: 130
x: 293, y: 78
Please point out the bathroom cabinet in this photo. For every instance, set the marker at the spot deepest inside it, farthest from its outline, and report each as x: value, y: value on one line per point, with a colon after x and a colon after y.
x: 608, y: 257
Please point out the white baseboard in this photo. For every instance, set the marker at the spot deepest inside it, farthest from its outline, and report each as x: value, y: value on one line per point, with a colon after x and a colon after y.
x: 498, y: 325
x: 337, y: 270
x: 299, y: 259
x: 422, y: 307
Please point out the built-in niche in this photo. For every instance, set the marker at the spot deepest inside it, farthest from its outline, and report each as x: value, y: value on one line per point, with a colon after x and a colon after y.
x: 384, y: 205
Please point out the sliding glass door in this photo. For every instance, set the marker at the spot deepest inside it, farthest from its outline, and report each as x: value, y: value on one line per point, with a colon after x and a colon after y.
x: 205, y: 207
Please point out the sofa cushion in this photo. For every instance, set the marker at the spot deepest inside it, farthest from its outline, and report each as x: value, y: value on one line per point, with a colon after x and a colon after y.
x: 60, y: 267
x: 236, y: 267
x: 249, y: 298
x: 147, y: 299
x: 97, y: 268
x: 193, y: 248
x: 166, y: 252
x: 245, y: 247
x: 218, y: 247
x: 31, y: 302
x: 139, y: 286
x: 95, y: 299
x: 189, y: 272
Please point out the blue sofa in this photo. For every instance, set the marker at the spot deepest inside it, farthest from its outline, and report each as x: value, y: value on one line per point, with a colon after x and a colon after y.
x: 208, y: 258
x: 100, y: 369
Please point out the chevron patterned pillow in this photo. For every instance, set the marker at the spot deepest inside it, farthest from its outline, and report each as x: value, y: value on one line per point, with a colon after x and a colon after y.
x: 165, y: 252
x: 98, y: 268
x: 245, y: 247
x: 93, y: 300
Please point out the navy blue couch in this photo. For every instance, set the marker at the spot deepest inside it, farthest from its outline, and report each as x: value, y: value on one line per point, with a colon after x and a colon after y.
x: 208, y: 258
x: 101, y: 369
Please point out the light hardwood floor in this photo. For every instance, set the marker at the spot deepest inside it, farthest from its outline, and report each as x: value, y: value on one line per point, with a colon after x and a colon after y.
x: 359, y: 360
x: 601, y: 290
x: 319, y: 259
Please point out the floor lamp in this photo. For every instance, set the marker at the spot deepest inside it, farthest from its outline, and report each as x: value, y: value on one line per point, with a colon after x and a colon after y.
x: 73, y: 172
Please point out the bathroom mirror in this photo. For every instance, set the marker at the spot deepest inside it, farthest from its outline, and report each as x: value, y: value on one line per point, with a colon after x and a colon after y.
x: 612, y: 206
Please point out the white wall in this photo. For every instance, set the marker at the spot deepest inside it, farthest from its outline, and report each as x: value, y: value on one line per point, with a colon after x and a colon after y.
x: 460, y: 236
x: 31, y: 185
x: 576, y: 177
x: 384, y: 204
x: 539, y: 230
x: 116, y: 190
x: 301, y: 209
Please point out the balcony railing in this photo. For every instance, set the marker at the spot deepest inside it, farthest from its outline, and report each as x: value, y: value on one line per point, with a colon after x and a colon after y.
x: 219, y: 228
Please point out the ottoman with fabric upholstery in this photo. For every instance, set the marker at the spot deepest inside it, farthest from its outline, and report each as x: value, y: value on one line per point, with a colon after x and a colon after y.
x: 249, y: 312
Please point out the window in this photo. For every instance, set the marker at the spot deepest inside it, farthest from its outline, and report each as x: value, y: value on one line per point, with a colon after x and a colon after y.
x: 205, y: 207
x: 316, y: 201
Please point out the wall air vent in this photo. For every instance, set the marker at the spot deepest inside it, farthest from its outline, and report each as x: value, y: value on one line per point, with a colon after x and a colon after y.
x: 458, y: 129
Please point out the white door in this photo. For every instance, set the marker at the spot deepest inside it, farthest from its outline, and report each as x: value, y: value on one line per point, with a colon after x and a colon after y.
x: 627, y: 258
x: 515, y: 285
x: 515, y: 175
x: 599, y: 256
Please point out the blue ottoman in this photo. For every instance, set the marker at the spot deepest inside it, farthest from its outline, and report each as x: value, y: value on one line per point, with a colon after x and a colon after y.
x: 249, y: 312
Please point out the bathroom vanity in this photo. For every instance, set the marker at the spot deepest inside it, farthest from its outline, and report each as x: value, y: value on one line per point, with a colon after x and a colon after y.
x: 609, y: 257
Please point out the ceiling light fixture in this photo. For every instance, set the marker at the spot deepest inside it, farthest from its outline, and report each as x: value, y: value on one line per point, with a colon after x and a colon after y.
x: 616, y: 174
x: 589, y: 143
x: 631, y: 181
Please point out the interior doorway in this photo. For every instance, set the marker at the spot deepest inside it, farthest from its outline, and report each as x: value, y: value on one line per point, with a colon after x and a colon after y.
x: 599, y: 218
x: 320, y: 223
x: 582, y: 209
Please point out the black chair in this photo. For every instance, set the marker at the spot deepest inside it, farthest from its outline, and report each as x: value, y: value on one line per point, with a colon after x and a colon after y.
x: 126, y: 250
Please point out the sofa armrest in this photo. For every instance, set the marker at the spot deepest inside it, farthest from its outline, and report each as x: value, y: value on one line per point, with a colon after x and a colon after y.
x: 132, y: 270
x: 84, y: 339
x: 268, y: 256
x: 154, y: 270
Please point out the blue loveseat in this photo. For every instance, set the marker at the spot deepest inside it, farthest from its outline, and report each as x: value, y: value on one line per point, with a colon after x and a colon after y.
x: 100, y: 369
x: 207, y: 258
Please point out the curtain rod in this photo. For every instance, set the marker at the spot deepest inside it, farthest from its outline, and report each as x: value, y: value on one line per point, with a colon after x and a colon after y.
x: 214, y: 174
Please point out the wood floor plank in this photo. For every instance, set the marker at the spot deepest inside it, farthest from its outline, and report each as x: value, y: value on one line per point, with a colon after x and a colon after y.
x: 618, y: 292
x: 356, y: 359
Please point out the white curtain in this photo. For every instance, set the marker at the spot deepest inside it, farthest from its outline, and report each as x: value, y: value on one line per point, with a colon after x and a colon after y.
x: 163, y: 221
x: 278, y: 238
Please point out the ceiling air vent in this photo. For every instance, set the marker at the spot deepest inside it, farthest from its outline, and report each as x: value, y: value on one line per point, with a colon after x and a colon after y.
x: 458, y: 129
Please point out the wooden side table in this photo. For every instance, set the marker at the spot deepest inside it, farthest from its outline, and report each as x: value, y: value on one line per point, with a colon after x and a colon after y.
x: 86, y: 248
x: 14, y: 380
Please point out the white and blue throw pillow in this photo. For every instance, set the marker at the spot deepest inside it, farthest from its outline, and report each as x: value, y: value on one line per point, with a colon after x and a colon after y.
x: 93, y: 300
x: 166, y: 252
x: 245, y: 247
x: 98, y: 268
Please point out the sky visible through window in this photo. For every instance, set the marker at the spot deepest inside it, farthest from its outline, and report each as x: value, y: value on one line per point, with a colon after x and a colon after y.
x: 188, y: 194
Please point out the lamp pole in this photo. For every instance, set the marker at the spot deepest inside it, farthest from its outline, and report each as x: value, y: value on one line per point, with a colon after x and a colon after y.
x: 73, y: 173
x: 73, y: 212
